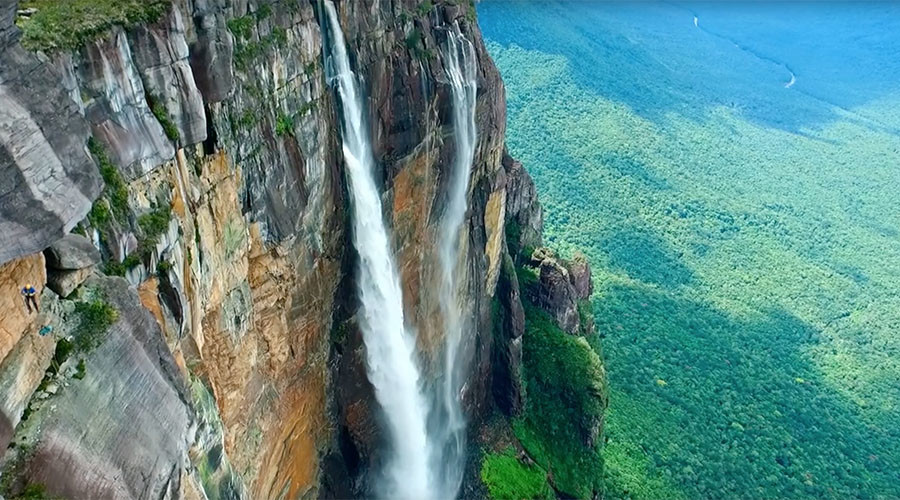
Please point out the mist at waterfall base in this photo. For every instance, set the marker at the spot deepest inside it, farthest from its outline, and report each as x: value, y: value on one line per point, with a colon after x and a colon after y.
x: 390, y: 349
x: 447, y: 422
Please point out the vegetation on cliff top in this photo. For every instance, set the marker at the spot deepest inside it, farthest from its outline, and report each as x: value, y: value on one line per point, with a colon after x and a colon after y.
x: 566, y: 398
x: 68, y: 24
x: 743, y: 237
x: 508, y: 478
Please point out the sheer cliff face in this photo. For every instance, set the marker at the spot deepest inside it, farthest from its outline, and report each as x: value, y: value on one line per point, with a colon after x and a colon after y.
x: 242, y: 371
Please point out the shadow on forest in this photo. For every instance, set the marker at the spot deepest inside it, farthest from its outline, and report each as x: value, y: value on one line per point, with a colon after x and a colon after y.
x: 741, y: 394
x: 645, y: 257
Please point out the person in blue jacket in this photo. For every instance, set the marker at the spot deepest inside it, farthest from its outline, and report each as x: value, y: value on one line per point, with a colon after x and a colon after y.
x: 30, y: 295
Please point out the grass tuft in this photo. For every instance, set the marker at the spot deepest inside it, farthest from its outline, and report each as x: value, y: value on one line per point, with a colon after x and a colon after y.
x: 69, y: 24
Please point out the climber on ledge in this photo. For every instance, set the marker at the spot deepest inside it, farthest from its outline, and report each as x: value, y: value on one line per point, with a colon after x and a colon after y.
x: 30, y: 295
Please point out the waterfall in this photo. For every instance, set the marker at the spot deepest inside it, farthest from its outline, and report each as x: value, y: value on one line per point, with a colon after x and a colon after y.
x: 390, y: 350
x: 448, y: 422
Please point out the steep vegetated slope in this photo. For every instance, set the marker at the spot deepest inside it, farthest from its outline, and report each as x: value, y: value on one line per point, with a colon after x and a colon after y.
x: 744, y: 232
x: 172, y: 183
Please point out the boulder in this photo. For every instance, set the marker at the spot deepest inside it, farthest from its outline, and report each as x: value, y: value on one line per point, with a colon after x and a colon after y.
x: 65, y: 282
x: 70, y: 253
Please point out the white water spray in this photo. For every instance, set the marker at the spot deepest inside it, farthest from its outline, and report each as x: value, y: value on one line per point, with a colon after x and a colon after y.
x: 390, y: 349
x: 449, y: 422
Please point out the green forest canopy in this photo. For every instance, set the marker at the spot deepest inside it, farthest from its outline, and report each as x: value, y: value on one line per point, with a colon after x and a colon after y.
x: 746, y: 245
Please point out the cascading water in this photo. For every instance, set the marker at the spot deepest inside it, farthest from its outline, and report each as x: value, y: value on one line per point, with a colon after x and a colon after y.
x: 448, y: 422
x: 390, y: 349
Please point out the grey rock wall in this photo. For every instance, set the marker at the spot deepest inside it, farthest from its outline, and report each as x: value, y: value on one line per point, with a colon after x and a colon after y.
x: 122, y: 431
x: 47, y: 178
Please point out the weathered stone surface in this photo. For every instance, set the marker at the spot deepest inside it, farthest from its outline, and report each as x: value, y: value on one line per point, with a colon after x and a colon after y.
x: 161, y: 55
x: 65, y: 282
x: 71, y: 252
x: 47, y: 179
x: 124, y: 430
x: 253, y: 278
x: 20, y: 373
x: 211, y: 53
x: 115, y: 103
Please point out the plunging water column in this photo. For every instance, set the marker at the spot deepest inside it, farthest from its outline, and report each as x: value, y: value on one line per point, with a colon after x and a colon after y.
x: 390, y: 350
x: 449, y: 422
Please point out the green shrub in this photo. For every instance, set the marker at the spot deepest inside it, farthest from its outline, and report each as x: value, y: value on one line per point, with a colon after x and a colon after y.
x: 155, y: 224
x: 158, y: 108
x: 94, y: 320
x: 34, y: 491
x: 68, y: 24
x: 246, y: 53
x: 528, y: 280
x: 264, y: 11
x: 115, y: 189
x: 564, y: 379
x: 80, y: 370
x: 241, y: 27
x: 163, y: 267
x: 424, y: 8
x: 284, y: 125
x: 99, y: 214
x: 507, y: 478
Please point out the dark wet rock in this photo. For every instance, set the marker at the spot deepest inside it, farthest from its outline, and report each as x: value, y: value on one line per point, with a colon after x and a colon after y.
x: 524, y: 216
x: 509, y: 326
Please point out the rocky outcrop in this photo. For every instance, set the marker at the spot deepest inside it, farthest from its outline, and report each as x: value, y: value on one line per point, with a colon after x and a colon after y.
x: 115, y: 103
x: 580, y: 275
x: 71, y: 252
x: 160, y: 52
x: 563, y: 289
x: 555, y: 293
x: 69, y: 262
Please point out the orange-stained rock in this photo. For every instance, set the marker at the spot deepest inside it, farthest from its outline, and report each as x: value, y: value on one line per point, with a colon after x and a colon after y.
x: 494, y: 223
x: 15, y: 321
x: 148, y: 292
x: 290, y: 462
x: 413, y: 196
